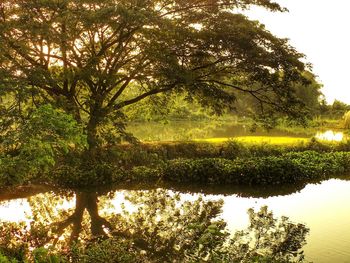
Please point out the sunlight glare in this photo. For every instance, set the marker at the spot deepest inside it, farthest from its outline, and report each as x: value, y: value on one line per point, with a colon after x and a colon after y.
x: 330, y: 136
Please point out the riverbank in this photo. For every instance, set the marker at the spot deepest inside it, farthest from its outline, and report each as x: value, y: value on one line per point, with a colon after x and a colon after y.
x: 187, y: 130
x: 232, y: 162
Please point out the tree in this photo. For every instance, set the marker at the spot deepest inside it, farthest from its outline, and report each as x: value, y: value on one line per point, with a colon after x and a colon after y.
x: 93, y: 58
x: 309, y: 92
x: 339, y: 108
x: 336, y: 110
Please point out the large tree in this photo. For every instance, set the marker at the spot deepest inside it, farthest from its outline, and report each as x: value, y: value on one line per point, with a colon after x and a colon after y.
x: 95, y: 57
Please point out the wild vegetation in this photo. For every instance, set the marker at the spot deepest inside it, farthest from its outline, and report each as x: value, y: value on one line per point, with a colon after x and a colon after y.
x: 101, y: 63
x: 232, y: 162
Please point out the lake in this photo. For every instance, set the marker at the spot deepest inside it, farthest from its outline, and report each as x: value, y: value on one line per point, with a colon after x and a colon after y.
x: 187, y: 130
x: 322, y: 208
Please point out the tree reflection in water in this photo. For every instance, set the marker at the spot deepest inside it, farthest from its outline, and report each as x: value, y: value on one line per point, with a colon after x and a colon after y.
x: 161, y: 228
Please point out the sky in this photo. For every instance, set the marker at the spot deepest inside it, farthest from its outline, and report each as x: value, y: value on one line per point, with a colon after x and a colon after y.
x: 320, y: 29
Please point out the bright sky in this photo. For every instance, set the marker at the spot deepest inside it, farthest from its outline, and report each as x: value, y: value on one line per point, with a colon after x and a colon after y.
x: 320, y: 30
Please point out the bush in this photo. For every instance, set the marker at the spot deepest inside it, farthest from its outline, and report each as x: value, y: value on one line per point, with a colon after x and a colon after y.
x: 284, y: 168
x: 4, y: 259
x: 43, y: 255
x: 288, y: 168
x: 37, y: 143
x: 109, y: 250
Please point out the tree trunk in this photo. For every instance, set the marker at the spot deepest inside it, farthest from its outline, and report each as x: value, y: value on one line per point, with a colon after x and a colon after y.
x: 73, y: 109
x: 96, y: 115
x: 92, y: 139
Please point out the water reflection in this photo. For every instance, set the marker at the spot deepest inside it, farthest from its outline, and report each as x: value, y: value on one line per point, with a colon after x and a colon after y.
x: 147, y: 226
x: 264, y: 191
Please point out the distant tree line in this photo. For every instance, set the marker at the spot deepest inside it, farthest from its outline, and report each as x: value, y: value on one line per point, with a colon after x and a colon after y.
x: 336, y: 110
x: 179, y: 107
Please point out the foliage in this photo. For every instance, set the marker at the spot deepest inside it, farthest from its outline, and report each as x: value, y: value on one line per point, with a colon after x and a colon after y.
x: 168, y: 107
x: 12, y: 250
x: 94, y: 59
x: 334, y: 111
x: 4, y: 259
x: 307, y: 90
x: 272, y: 170
x: 34, y: 146
x: 108, y: 250
x: 150, y: 163
x: 310, y: 94
x: 151, y: 154
x: 42, y: 255
x: 339, y: 108
x: 264, y: 234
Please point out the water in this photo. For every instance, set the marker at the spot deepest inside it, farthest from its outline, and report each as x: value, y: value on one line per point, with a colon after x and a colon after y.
x: 323, y: 208
x: 331, y: 135
x: 187, y: 130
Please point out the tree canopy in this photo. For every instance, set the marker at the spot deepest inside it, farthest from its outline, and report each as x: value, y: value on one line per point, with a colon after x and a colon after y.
x: 95, y: 57
x: 311, y: 93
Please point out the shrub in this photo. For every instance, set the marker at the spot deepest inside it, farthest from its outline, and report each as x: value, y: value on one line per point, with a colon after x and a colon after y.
x: 37, y: 143
x: 234, y: 149
x: 288, y: 168
x: 4, y: 259
x: 43, y: 255
x: 109, y: 250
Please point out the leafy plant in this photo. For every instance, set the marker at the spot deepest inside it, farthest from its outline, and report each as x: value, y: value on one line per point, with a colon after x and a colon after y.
x: 36, y: 144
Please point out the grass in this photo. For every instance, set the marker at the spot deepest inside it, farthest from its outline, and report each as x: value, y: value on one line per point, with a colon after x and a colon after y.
x: 259, y: 139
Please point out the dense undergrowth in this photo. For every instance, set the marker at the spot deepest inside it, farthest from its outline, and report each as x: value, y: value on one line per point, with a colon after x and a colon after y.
x: 272, y: 170
x: 230, y: 163
x: 51, y: 147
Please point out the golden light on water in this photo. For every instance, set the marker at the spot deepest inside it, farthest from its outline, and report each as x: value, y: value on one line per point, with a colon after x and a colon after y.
x: 327, y: 242
x: 15, y: 210
x: 330, y: 136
